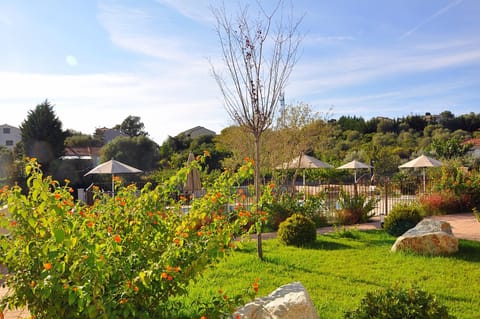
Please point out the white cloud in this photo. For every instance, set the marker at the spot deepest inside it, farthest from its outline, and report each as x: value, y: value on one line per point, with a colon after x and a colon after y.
x: 71, y: 60
x: 166, y: 104
x: 130, y: 29
x: 361, y: 67
x: 197, y: 10
x: 438, y: 13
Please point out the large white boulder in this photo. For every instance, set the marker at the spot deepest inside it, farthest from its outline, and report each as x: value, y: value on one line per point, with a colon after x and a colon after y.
x: 429, y: 237
x: 288, y: 301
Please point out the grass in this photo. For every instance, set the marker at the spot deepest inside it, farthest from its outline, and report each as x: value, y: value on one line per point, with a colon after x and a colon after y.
x: 338, y: 270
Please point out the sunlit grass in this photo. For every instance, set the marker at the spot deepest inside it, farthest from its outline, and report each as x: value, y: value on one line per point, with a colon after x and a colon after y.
x: 338, y: 272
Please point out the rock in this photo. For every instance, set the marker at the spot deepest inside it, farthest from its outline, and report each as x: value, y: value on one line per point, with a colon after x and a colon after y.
x: 429, y: 237
x: 288, y: 301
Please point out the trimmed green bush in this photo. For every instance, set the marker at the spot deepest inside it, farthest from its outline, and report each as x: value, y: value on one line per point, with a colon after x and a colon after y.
x: 297, y: 230
x: 394, y: 303
x: 401, y: 218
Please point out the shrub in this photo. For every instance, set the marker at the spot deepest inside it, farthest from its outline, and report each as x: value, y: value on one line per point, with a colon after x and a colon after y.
x: 285, y: 204
x: 354, y: 208
x: 393, y: 303
x: 445, y: 202
x: 401, y: 218
x: 297, y: 230
x: 123, y: 257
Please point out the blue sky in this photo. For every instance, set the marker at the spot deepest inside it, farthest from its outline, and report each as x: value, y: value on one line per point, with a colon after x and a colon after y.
x: 100, y: 61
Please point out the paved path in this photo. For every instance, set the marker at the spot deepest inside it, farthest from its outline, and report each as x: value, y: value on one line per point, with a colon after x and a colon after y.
x: 464, y: 226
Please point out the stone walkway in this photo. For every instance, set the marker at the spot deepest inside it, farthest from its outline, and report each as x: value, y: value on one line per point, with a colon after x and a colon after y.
x: 464, y: 226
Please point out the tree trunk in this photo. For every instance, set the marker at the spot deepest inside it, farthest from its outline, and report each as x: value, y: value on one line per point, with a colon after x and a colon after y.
x: 257, y: 196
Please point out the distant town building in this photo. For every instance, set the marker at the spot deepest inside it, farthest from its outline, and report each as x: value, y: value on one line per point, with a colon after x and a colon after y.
x: 91, y: 153
x: 9, y: 136
x: 197, y: 131
x: 431, y: 118
x: 108, y: 134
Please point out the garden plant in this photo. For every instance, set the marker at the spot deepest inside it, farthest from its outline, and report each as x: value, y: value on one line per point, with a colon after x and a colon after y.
x: 123, y: 257
x: 401, y: 218
x: 354, y: 208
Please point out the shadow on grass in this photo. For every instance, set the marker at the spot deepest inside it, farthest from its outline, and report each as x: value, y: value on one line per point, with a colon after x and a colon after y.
x: 468, y: 250
x: 326, y: 245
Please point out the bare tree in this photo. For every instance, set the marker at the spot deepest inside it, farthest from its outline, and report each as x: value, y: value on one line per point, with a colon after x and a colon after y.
x: 259, y: 55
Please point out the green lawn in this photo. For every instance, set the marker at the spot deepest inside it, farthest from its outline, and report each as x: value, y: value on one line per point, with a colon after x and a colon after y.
x: 338, y: 272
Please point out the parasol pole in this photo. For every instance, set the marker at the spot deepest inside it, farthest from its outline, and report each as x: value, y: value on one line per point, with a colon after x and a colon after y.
x: 424, y: 188
x: 113, y: 185
x: 304, y: 185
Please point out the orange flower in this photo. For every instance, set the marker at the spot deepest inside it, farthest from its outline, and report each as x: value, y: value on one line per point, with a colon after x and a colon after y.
x: 90, y: 224
x: 164, y: 275
x: 109, y: 229
x: 123, y: 301
x: 47, y: 266
x: 13, y: 223
x: 203, y: 317
x: 32, y: 284
x: 169, y: 278
x: 255, y: 286
x: 136, y: 289
x: 58, y: 196
x: 117, y: 239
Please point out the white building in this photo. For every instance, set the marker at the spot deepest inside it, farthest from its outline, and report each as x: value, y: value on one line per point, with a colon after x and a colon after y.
x: 9, y: 136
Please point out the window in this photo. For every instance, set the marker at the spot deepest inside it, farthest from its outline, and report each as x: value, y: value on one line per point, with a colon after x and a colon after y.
x: 9, y: 142
x: 6, y: 130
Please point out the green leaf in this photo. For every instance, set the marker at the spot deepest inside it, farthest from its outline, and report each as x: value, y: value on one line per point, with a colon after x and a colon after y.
x: 32, y: 222
x: 59, y: 235
x: 142, y: 278
x: 71, y: 297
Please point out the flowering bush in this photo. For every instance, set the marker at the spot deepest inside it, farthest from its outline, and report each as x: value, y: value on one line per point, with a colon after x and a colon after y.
x: 445, y: 202
x: 122, y: 257
x: 455, y: 190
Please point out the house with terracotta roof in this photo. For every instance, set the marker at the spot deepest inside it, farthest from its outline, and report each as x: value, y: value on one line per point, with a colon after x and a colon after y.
x: 91, y: 153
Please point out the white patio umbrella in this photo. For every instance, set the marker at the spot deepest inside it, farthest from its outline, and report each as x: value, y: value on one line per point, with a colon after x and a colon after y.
x: 422, y: 161
x: 354, y: 165
x: 304, y: 161
x: 113, y: 167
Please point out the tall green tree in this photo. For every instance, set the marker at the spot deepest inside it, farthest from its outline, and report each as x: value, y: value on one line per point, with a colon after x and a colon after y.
x: 42, y: 135
x: 132, y: 126
x: 140, y: 152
